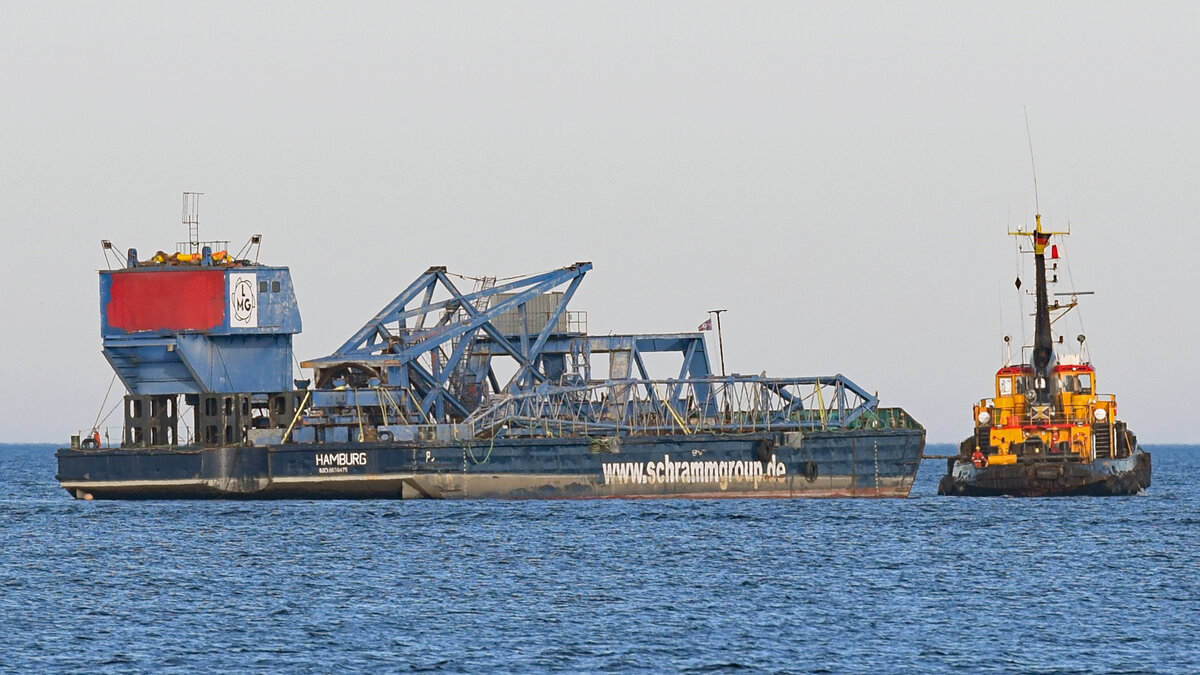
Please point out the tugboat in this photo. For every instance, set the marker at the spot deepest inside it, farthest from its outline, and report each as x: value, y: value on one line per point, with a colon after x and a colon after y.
x: 1047, y: 432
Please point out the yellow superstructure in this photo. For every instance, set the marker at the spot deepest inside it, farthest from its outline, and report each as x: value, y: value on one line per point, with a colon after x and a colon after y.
x: 1081, y: 423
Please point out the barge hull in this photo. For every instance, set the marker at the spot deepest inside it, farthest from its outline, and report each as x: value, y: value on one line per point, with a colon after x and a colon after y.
x: 881, y: 463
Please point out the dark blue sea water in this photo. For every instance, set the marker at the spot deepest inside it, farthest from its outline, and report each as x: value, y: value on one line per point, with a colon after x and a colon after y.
x: 924, y: 585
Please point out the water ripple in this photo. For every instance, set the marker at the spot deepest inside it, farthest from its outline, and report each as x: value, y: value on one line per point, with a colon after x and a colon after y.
x: 924, y: 585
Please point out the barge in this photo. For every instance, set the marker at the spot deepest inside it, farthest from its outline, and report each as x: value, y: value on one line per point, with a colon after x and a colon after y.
x: 497, y: 391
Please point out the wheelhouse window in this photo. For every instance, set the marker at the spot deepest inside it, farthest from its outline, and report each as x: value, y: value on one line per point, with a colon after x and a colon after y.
x: 1004, y: 386
x: 1075, y: 383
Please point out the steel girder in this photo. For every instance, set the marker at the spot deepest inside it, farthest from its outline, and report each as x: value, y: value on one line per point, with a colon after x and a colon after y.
x: 399, y: 336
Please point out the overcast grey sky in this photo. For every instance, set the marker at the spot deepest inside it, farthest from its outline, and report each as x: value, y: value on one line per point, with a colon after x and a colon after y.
x: 839, y: 175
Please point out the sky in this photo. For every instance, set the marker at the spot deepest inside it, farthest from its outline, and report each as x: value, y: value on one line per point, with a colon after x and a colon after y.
x: 839, y: 176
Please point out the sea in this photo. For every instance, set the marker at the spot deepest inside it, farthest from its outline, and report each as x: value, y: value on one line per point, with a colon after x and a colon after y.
x: 926, y: 584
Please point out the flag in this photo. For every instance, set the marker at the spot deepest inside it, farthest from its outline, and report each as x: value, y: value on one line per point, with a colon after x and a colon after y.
x: 707, y: 325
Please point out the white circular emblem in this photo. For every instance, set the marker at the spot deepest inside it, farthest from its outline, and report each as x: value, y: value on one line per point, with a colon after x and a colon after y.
x: 243, y: 300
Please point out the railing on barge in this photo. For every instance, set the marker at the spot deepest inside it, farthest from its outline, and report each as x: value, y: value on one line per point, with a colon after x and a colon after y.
x: 733, y: 404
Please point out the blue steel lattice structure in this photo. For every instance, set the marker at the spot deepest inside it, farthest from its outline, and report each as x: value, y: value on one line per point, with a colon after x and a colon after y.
x: 429, y: 358
x: 439, y: 345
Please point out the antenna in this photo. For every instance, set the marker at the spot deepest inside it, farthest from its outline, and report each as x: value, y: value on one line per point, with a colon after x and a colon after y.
x: 1029, y: 136
x: 191, y: 218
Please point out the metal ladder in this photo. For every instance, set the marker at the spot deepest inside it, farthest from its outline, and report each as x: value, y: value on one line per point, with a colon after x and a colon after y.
x: 1103, y: 443
x: 462, y: 369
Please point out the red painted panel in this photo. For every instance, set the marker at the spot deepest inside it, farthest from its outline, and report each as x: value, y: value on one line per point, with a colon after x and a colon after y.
x: 179, y: 300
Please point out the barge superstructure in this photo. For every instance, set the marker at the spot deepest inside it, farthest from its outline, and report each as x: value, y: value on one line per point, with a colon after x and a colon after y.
x: 496, y: 392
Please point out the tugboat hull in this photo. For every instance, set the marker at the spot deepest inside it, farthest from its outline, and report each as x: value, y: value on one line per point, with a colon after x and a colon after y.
x: 1042, y: 477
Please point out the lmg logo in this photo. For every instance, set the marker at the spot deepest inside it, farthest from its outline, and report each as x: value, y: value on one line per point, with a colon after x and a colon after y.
x: 243, y: 301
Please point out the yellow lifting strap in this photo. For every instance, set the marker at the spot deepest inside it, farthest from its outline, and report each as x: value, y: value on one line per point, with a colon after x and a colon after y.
x: 296, y: 417
x: 678, y: 419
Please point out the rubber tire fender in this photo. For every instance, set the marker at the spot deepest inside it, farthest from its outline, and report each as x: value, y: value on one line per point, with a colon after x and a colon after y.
x: 764, y: 448
x: 809, y: 471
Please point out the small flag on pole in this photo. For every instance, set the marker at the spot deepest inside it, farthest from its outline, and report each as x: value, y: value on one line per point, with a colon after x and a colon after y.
x: 707, y: 325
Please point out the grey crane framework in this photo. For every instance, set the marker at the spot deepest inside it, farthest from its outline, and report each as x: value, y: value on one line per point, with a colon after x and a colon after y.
x: 427, y: 364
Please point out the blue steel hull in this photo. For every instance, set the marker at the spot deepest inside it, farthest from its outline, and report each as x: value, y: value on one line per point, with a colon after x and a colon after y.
x: 847, y: 463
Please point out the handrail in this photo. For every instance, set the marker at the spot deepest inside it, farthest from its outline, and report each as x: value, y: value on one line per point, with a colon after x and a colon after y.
x: 714, y: 404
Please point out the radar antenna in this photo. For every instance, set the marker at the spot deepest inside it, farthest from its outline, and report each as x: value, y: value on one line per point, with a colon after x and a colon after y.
x: 191, y: 218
